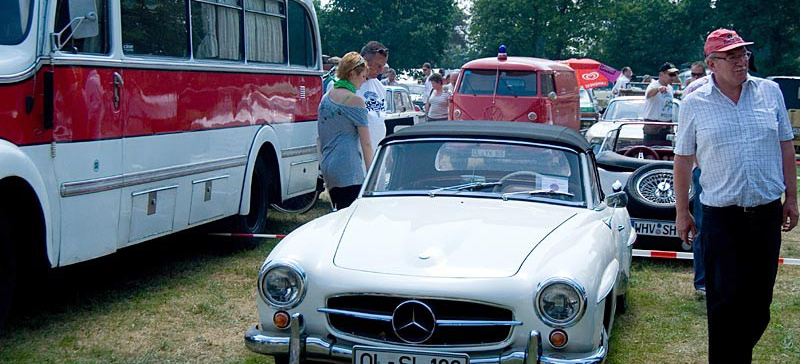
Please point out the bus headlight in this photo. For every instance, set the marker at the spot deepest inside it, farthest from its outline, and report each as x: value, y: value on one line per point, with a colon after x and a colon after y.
x: 282, y: 284
x: 456, y: 113
x: 532, y: 116
x: 560, y: 302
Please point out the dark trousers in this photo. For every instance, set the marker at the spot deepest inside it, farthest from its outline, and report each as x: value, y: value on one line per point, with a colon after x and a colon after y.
x: 741, y: 261
x: 342, y: 197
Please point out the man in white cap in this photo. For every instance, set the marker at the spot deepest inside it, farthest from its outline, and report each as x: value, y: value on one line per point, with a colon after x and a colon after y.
x: 737, y: 127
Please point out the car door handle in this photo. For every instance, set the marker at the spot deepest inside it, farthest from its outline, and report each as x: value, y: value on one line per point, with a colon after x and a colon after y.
x: 117, y: 89
x: 620, y: 227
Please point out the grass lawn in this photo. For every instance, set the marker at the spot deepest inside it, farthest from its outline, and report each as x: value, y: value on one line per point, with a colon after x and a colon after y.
x: 189, y: 298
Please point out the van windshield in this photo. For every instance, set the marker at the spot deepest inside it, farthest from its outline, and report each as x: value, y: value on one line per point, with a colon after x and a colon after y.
x: 510, y: 83
x: 15, y: 18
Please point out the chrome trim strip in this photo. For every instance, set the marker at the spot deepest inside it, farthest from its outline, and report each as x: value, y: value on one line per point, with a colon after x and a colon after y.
x: 210, y: 179
x: 387, y: 318
x: 361, y: 315
x: 139, y: 193
x: 95, y: 185
x: 183, y: 64
x: 303, y: 162
x: 301, y: 150
x: 23, y: 75
x: 464, y: 323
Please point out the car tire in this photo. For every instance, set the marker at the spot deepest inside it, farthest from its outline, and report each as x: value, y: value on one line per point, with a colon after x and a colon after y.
x: 255, y: 222
x: 651, y: 192
x: 622, y: 304
x: 8, y: 269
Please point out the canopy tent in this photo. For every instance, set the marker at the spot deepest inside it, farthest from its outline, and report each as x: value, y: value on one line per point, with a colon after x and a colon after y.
x: 591, y: 73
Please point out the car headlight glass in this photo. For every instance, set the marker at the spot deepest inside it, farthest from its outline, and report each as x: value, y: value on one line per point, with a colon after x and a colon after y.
x: 560, y: 302
x: 282, y: 284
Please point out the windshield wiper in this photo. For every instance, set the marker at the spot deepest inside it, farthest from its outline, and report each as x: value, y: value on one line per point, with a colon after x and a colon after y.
x: 536, y: 192
x: 466, y: 186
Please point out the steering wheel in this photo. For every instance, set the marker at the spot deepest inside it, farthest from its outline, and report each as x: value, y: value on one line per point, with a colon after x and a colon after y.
x: 646, y: 151
x: 504, y: 179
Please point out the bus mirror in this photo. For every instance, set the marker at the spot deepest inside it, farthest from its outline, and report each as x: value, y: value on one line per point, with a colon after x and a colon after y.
x: 83, y: 23
x: 552, y: 95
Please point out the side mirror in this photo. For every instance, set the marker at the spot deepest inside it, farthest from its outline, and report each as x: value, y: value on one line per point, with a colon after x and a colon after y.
x: 616, y: 186
x: 552, y: 96
x: 617, y: 199
x: 83, y: 23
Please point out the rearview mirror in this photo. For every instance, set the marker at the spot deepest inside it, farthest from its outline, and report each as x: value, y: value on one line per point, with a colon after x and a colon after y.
x: 617, y: 199
x: 83, y: 23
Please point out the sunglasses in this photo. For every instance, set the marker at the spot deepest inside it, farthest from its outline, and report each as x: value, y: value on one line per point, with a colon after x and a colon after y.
x: 672, y: 74
x: 382, y: 51
x: 698, y: 74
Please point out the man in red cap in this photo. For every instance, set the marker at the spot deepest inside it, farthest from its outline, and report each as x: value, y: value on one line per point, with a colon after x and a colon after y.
x: 737, y: 127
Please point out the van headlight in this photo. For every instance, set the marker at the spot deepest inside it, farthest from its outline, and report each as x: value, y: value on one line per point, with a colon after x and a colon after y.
x: 282, y: 284
x: 560, y: 302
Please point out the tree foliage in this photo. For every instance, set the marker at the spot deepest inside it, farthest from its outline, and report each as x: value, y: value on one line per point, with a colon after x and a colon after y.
x: 415, y: 31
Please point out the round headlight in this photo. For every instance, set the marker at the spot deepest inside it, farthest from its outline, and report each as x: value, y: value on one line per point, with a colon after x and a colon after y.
x: 282, y: 284
x: 560, y: 302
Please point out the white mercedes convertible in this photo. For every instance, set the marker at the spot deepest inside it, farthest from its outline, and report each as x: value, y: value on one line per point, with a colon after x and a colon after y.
x: 471, y: 243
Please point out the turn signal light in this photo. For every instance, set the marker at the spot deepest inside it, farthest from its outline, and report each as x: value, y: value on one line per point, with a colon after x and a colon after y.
x: 558, y: 339
x: 281, y: 319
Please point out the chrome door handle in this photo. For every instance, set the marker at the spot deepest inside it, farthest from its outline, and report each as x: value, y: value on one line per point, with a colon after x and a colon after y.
x: 117, y: 89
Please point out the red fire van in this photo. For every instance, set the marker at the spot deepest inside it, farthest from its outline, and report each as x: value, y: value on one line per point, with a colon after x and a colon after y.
x: 517, y: 89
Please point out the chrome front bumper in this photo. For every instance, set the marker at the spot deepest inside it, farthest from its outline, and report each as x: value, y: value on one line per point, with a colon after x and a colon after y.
x: 298, y: 347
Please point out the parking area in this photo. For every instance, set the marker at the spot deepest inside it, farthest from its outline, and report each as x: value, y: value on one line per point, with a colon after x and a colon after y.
x: 187, y: 298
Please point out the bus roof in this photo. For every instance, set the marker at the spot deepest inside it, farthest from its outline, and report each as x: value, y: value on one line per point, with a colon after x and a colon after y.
x: 517, y: 63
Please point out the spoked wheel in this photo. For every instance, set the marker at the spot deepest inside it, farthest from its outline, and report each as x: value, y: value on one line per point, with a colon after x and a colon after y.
x: 652, y: 189
x: 298, y: 205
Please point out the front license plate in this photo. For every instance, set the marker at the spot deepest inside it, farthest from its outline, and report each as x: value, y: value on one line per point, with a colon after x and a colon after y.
x: 655, y: 228
x: 373, y: 355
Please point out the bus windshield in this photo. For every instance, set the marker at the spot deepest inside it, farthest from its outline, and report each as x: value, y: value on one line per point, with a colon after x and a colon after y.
x: 510, y: 83
x: 15, y: 18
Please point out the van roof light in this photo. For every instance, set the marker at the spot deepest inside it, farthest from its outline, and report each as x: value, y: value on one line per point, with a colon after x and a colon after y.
x: 501, y: 54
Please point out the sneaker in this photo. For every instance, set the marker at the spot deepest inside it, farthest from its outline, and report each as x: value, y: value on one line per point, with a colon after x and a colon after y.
x: 700, y: 294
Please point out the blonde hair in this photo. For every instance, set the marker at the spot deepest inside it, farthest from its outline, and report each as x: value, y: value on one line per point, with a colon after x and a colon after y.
x: 352, y: 61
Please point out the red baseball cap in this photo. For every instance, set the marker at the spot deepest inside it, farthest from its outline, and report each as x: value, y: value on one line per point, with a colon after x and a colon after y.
x: 722, y: 40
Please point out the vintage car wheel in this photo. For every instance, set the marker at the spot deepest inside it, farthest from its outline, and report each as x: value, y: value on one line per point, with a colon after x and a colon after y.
x: 652, y: 192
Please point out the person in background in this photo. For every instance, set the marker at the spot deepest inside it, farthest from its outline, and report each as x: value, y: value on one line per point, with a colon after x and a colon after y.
x: 391, y: 78
x: 743, y: 215
x: 342, y: 128
x: 373, y: 92
x: 658, y: 105
x: 698, y: 71
x: 447, y: 84
x: 426, y: 93
x: 437, y: 105
x: 647, y: 79
x: 622, y: 81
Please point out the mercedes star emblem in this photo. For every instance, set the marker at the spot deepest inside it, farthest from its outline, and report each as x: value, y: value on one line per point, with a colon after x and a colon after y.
x: 413, y: 322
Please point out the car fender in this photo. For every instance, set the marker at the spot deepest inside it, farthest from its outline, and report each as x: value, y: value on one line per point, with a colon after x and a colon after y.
x: 18, y: 164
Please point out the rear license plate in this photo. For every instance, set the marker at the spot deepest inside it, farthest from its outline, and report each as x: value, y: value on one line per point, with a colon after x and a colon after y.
x: 373, y: 355
x: 655, y: 228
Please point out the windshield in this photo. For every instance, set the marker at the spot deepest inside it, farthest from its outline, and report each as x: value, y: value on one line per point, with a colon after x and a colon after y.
x: 15, y: 18
x: 642, y: 140
x: 633, y: 109
x: 510, y: 83
x: 501, y: 170
x: 586, y: 99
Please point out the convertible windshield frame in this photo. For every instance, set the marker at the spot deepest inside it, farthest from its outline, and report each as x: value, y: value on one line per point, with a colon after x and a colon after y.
x: 11, y: 16
x: 368, y: 188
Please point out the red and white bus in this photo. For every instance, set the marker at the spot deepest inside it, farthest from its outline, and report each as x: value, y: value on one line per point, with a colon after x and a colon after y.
x: 125, y: 120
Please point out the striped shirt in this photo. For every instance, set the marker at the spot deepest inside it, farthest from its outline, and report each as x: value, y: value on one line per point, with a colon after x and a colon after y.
x: 738, y: 145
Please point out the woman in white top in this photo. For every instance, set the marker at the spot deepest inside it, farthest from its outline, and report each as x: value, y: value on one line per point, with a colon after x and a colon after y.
x: 439, y: 100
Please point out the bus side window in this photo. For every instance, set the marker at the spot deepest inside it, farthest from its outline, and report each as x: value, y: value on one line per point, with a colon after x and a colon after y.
x: 97, y: 44
x: 264, y: 20
x: 301, y: 37
x: 155, y: 28
x: 216, y: 30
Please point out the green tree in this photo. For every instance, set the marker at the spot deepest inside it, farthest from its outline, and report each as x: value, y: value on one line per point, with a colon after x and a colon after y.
x: 414, y: 31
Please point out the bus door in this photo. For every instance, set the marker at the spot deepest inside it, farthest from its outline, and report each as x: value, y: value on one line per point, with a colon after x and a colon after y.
x: 87, y: 130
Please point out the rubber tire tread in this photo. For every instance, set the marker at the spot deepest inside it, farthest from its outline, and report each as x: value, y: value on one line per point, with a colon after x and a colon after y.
x: 8, y: 269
